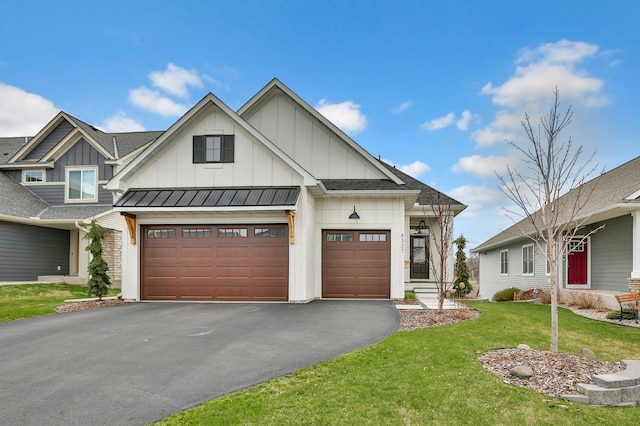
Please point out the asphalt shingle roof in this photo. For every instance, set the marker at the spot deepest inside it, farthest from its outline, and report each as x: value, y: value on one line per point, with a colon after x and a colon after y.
x: 605, y: 191
x: 9, y: 146
x: 427, y: 196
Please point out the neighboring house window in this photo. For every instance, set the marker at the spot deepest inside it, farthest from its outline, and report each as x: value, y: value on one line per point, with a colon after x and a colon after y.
x: 504, y: 262
x: 527, y: 259
x: 213, y: 149
x: 81, y: 185
x: 33, y: 176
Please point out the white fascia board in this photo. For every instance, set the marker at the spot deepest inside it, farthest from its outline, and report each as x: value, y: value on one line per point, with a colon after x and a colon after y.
x: 275, y: 83
x: 47, y: 165
x: 123, y: 160
x: 201, y: 209
x: 633, y: 196
x: 71, y: 139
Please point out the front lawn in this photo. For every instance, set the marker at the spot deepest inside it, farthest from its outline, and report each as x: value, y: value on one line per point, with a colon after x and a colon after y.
x: 33, y: 300
x: 431, y: 376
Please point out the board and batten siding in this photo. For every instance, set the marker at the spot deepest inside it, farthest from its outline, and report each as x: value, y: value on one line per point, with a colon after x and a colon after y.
x: 50, y: 141
x: 81, y: 153
x: 309, y: 142
x: 27, y: 251
x: 254, y: 164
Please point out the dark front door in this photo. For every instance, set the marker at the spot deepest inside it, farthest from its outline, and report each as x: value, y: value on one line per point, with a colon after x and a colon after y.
x: 419, y: 257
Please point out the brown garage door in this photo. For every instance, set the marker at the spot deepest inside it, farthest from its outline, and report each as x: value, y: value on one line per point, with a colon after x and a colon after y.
x: 197, y: 262
x: 356, y: 264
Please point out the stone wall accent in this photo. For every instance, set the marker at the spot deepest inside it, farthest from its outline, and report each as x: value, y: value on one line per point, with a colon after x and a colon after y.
x: 112, y: 254
x: 634, y: 285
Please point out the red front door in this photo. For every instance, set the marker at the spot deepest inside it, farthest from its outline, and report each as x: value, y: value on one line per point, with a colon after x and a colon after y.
x: 578, y: 273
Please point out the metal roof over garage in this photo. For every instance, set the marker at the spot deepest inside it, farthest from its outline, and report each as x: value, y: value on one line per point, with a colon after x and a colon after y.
x: 210, y: 197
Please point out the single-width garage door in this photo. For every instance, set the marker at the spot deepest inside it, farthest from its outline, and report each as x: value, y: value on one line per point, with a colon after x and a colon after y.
x: 356, y: 264
x: 230, y: 262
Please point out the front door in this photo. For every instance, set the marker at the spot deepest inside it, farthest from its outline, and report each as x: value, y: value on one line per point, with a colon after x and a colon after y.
x: 578, y: 267
x: 419, y: 257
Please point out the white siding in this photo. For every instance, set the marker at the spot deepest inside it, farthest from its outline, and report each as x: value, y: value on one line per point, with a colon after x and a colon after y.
x: 173, y: 166
x: 309, y: 142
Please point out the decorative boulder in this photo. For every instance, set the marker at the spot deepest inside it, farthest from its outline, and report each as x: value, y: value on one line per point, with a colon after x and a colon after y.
x: 522, y: 371
x: 588, y: 354
x: 523, y: 346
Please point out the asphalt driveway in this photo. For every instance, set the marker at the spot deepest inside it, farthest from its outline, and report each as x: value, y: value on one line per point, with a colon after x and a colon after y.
x: 137, y: 363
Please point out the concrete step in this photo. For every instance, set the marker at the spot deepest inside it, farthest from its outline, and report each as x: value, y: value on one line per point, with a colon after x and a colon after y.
x: 621, y: 379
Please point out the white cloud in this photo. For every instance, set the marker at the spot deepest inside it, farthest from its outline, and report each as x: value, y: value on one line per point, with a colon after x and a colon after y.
x: 121, y: 123
x: 23, y: 113
x: 440, y: 122
x: 415, y: 169
x: 530, y: 89
x: 152, y: 100
x: 345, y: 115
x: 485, y: 166
x: 175, y: 80
x: 402, y: 107
x: 463, y: 122
x: 476, y: 197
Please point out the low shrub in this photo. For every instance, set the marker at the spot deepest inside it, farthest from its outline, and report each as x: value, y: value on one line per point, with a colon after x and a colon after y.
x: 585, y: 300
x: 506, y: 295
x: 627, y: 314
x: 409, y: 295
x: 529, y: 294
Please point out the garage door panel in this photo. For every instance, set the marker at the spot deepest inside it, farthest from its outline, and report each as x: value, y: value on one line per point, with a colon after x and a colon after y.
x: 219, y: 263
x: 358, y: 267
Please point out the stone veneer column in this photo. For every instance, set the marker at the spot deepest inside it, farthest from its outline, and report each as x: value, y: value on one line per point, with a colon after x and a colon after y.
x: 634, y: 281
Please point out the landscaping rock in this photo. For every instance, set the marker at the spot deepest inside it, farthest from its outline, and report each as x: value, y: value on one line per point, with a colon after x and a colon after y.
x: 588, y: 354
x: 523, y: 346
x: 522, y: 371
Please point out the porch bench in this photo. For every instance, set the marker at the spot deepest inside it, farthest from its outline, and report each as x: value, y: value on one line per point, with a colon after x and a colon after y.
x: 629, y: 301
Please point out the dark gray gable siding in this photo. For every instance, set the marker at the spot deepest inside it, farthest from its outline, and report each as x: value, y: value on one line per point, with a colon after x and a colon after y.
x: 50, y: 141
x: 81, y: 154
x: 14, y: 174
x: 54, y: 194
x: 28, y: 251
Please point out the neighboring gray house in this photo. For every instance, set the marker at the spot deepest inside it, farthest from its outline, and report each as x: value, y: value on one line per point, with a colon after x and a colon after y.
x: 51, y: 186
x: 609, y: 259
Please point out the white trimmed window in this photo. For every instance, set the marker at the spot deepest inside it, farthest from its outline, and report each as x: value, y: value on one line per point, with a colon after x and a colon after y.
x: 33, y: 177
x: 527, y: 260
x: 81, y: 185
x: 504, y: 262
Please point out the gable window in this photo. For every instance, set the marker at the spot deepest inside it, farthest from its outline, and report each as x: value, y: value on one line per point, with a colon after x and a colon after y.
x: 527, y: 260
x: 213, y: 149
x: 33, y: 176
x: 504, y: 262
x: 81, y: 185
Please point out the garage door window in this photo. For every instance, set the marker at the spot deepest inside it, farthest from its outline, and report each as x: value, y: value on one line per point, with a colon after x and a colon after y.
x: 161, y: 233
x: 269, y: 232
x: 232, y: 233
x: 375, y: 238
x: 196, y: 233
x: 339, y: 237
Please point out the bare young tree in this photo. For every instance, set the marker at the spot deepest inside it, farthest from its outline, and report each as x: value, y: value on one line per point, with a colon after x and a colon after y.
x: 440, y: 233
x: 551, y: 168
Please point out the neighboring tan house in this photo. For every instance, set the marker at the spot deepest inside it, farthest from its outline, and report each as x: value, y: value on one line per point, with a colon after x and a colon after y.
x: 51, y: 186
x: 607, y: 260
x: 270, y: 203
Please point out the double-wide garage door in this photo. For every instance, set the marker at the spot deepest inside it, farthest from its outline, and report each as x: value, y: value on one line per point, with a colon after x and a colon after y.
x: 233, y: 263
x: 356, y: 264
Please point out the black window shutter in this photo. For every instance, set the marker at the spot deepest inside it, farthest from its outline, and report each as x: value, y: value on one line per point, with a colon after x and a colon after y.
x: 198, y: 149
x: 228, y: 146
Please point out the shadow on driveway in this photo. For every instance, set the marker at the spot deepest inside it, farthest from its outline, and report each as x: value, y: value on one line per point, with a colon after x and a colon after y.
x: 137, y: 363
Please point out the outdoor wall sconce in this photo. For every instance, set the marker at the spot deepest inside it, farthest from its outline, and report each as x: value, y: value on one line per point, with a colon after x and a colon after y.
x: 422, y: 227
x: 355, y: 214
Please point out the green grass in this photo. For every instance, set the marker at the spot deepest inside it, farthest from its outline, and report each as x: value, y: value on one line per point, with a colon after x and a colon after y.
x: 33, y: 300
x: 431, y: 376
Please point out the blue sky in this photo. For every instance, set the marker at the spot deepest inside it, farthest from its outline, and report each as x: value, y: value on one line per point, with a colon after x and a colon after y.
x: 434, y: 87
